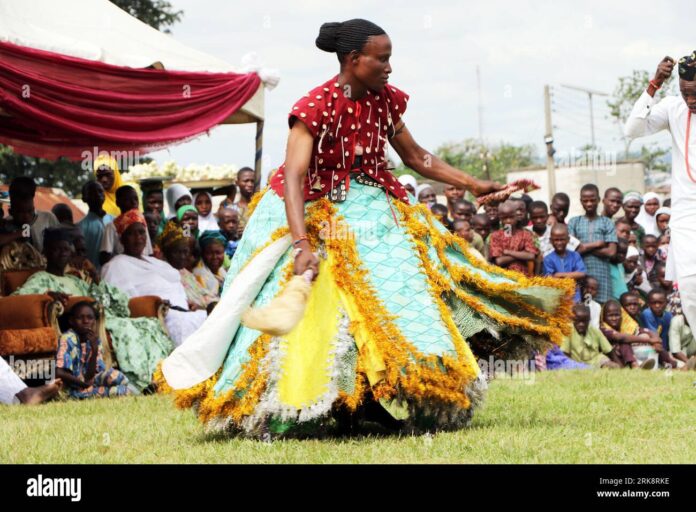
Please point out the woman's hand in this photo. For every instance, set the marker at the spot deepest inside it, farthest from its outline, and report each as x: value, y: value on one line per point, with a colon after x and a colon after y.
x: 305, y: 260
x: 483, y: 187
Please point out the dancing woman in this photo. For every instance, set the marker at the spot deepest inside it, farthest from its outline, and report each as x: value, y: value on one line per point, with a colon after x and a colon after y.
x: 398, y: 307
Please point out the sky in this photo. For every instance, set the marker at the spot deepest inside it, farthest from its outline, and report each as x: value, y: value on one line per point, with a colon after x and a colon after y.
x: 437, y: 46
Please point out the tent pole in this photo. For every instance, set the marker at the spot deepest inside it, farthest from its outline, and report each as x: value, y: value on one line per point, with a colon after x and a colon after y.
x: 259, y: 151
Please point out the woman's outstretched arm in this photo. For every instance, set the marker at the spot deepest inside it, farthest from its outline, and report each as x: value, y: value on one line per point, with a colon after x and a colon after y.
x: 428, y: 165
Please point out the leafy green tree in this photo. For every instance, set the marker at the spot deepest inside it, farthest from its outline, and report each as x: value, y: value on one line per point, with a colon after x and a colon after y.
x: 158, y: 14
x: 627, y: 92
x: 481, y: 160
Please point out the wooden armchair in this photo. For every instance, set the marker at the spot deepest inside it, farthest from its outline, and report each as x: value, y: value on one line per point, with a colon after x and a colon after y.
x: 30, y: 324
x: 150, y: 306
x: 18, y: 261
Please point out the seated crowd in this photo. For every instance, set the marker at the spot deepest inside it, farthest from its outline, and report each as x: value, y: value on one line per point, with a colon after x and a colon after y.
x: 125, y: 247
x: 626, y: 313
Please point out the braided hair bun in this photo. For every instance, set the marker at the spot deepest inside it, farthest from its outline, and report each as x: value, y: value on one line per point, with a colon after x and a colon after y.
x: 344, y: 37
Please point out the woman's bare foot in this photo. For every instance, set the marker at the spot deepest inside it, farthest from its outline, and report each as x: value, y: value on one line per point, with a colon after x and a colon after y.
x: 33, y: 396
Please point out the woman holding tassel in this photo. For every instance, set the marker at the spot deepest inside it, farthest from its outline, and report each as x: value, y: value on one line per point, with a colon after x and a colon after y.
x: 398, y: 306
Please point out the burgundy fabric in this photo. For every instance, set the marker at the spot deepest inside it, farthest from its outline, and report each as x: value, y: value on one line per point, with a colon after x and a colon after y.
x: 62, y: 106
x: 340, y: 124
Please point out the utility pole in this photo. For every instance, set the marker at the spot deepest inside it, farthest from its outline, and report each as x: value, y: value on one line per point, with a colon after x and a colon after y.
x: 548, y: 140
x: 480, y: 104
x: 484, y: 154
x: 590, y: 93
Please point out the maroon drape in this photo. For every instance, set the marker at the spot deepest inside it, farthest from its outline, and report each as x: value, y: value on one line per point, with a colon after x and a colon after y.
x: 55, y: 105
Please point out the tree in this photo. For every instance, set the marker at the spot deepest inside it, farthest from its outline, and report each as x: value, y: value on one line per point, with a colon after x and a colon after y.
x: 60, y: 173
x: 158, y: 14
x: 486, y: 162
x: 627, y: 92
x: 70, y: 176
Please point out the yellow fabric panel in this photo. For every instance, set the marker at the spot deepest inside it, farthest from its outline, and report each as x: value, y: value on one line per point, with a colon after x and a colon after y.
x: 370, y: 356
x: 305, y: 369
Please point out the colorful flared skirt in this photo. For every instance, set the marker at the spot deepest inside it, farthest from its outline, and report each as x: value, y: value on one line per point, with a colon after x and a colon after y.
x: 400, y: 312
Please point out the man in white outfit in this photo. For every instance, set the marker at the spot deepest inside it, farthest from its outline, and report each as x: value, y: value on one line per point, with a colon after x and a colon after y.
x: 674, y: 114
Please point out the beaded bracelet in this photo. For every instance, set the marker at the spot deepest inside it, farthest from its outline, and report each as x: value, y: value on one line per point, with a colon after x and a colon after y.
x: 303, y: 237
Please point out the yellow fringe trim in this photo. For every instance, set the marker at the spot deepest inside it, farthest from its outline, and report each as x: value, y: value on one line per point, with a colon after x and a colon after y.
x: 558, y: 323
x: 238, y: 402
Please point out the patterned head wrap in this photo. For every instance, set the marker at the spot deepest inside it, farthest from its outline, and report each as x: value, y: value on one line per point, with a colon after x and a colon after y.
x: 183, y: 209
x: 209, y: 237
x: 126, y: 220
x: 171, y: 234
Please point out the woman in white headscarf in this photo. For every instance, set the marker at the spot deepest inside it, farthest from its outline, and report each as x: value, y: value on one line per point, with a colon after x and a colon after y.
x: 662, y: 217
x: 203, y: 201
x: 425, y: 193
x: 177, y: 196
x: 409, y: 183
x: 646, y: 217
x: 635, y: 277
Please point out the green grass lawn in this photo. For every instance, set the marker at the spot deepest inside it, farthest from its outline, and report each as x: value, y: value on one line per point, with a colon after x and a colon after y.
x: 562, y: 417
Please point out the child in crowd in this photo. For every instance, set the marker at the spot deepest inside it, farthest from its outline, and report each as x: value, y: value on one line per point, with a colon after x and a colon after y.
x: 440, y: 212
x: 463, y: 209
x: 560, y: 206
x: 153, y: 222
x: 624, y: 333
x: 586, y: 343
x: 618, y: 275
x: 481, y: 224
x: 462, y: 228
x: 539, y: 216
x: 631, y: 207
x: 623, y: 230
x: 655, y: 318
x: 228, y: 222
x: 635, y: 277
x: 563, y: 262
x: 657, y: 278
x: 632, y: 304
x: 589, y: 292
x: 491, y: 210
x: 663, y: 246
x: 650, y: 257
x: 187, y: 218
x: 682, y: 344
x: 597, y: 240
x: 80, y: 362
x: 512, y: 247
x: 521, y: 212
x: 662, y: 217
x: 209, y: 271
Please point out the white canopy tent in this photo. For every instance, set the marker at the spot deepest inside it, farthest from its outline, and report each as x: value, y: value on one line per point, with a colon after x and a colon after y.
x: 99, y: 30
